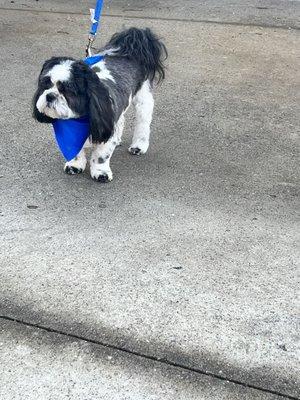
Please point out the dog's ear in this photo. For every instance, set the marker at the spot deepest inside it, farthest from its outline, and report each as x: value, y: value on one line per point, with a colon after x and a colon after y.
x: 100, y: 112
x: 99, y: 105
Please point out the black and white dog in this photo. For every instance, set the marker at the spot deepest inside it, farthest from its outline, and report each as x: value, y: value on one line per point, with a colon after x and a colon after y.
x: 133, y: 60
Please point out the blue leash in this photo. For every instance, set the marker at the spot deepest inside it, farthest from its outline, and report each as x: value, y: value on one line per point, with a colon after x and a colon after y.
x: 94, y: 26
x: 95, y: 23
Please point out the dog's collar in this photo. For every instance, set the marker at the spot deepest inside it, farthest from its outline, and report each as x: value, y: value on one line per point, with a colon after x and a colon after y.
x: 92, y: 60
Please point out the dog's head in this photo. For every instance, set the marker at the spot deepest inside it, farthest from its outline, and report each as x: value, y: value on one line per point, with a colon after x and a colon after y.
x: 71, y: 89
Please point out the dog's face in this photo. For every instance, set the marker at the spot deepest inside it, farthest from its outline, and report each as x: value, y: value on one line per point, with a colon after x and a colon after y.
x: 70, y: 89
x: 59, y: 95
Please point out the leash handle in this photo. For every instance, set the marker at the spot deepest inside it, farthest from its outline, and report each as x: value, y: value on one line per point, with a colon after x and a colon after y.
x: 94, y: 26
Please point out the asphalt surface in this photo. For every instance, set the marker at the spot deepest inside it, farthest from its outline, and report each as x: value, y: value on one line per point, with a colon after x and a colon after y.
x: 190, y: 254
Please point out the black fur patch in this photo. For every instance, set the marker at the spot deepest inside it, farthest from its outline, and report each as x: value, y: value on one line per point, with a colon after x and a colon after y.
x: 101, y: 160
x: 73, y: 170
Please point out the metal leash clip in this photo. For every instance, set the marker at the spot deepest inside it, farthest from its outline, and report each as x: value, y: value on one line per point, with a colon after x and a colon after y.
x: 95, y: 18
x: 88, y: 49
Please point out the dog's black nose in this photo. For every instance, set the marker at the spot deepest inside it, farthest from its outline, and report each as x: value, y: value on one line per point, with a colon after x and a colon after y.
x: 50, y: 97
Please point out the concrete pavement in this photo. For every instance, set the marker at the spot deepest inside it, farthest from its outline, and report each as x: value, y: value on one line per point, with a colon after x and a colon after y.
x: 41, y: 365
x: 279, y: 13
x: 190, y: 254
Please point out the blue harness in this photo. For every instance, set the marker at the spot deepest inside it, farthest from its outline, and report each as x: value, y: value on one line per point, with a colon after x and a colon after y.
x: 71, y: 134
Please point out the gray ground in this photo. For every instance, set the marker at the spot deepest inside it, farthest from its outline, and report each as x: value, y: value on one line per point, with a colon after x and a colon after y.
x: 58, y: 367
x: 283, y: 13
x: 190, y: 255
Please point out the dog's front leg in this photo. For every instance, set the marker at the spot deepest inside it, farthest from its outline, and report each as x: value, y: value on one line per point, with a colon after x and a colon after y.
x: 101, y: 155
x: 77, y: 165
x: 100, y: 162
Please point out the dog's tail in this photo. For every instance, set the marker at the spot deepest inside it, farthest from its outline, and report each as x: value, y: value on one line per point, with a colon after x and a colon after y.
x: 143, y: 46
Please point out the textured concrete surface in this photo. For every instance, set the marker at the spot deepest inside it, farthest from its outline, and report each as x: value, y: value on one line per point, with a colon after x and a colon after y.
x: 37, y: 365
x: 190, y: 254
x: 284, y: 13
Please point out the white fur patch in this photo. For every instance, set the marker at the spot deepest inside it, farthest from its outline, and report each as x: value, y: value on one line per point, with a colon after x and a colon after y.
x: 104, y: 72
x: 109, y: 52
x: 61, y: 72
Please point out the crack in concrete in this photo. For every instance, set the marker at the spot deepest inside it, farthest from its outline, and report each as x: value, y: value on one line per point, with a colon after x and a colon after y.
x: 148, y: 357
x: 128, y: 16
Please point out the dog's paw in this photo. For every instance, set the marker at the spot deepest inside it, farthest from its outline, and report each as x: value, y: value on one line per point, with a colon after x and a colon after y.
x: 138, y: 148
x: 136, y: 151
x: 72, y: 170
x: 101, y: 176
x: 75, y: 166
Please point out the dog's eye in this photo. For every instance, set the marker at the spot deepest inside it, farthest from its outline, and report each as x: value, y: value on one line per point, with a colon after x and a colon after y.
x: 46, y: 82
x: 64, y: 88
x: 60, y: 86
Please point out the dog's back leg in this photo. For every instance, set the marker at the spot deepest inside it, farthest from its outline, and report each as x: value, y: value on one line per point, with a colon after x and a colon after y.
x: 143, y: 103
